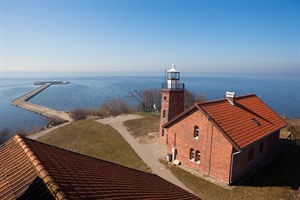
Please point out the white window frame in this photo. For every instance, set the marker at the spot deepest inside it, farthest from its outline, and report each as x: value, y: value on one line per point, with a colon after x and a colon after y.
x: 192, y: 155
x: 197, y: 158
x: 196, y: 132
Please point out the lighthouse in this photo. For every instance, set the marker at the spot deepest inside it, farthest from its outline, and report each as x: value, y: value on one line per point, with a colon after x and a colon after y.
x: 172, y: 102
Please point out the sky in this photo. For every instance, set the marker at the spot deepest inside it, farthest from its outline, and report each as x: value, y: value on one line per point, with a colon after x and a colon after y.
x: 204, y: 36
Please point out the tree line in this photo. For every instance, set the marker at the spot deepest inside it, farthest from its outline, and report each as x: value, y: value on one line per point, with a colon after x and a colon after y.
x: 146, y: 100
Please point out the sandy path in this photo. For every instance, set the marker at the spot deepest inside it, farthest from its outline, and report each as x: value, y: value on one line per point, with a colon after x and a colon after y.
x: 150, y: 153
x: 39, y: 134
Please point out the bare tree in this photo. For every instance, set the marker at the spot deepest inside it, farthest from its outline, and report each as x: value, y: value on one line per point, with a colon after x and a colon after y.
x: 148, y: 100
x: 202, y: 98
x: 189, y: 99
x: 79, y: 114
x: 114, y: 107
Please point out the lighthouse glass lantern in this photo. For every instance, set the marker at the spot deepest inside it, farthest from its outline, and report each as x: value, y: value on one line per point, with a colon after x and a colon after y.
x: 173, y: 76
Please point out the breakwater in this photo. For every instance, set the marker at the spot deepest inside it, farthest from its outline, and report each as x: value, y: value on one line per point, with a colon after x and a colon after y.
x: 22, y: 102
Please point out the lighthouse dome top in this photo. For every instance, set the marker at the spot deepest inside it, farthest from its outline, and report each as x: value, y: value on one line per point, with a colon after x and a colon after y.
x: 173, y: 69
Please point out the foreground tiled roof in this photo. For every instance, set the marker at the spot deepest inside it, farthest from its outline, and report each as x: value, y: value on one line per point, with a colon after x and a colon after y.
x: 243, y: 123
x: 34, y: 170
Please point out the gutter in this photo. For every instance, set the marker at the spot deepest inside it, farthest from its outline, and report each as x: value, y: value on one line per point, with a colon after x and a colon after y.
x: 231, y: 166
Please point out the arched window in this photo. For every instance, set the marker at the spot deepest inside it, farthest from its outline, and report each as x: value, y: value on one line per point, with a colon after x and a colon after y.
x: 196, y: 132
x: 192, y: 154
x: 164, y: 114
x: 197, y: 159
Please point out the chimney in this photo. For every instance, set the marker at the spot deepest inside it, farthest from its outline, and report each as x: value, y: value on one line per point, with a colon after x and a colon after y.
x: 230, y: 97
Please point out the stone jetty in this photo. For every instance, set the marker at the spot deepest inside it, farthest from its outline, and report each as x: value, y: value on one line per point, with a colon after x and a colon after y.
x: 23, y: 103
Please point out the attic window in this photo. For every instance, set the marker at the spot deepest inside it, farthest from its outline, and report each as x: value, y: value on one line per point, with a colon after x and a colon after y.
x: 257, y: 122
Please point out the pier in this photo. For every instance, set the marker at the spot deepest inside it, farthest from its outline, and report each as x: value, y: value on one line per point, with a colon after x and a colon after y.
x: 23, y: 103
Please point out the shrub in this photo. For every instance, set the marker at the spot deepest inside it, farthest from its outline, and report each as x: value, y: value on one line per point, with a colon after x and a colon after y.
x: 114, y: 107
x: 54, y: 121
x: 79, y: 113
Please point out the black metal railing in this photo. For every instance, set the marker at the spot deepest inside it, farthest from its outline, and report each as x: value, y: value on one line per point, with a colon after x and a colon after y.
x: 178, y: 86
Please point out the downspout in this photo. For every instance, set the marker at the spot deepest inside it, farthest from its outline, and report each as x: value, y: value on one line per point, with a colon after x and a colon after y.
x: 207, y: 129
x: 211, y: 138
x: 231, y: 166
x: 166, y: 132
x: 174, y: 148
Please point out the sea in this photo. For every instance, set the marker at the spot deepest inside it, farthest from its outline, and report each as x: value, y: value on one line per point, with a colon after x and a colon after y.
x: 91, y: 89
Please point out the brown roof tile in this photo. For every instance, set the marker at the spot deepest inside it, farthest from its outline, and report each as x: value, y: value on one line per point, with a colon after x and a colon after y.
x: 32, y: 168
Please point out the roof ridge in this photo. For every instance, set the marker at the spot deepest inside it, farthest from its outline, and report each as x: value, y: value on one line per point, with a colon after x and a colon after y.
x: 224, y: 99
x: 40, y: 169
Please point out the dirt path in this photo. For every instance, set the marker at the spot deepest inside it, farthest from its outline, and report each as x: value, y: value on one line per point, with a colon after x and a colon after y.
x: 39, y: 134
x: 150, y: 153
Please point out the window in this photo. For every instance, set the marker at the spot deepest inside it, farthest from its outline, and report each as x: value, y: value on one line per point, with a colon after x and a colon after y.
x: 163, y: 132
x: 192, y: 154
x: 164, y: 114
x: 197, y: 159
x: 250, y: 154
x: 196, y: 132
x: 165, y: 97
x: 261, y: 147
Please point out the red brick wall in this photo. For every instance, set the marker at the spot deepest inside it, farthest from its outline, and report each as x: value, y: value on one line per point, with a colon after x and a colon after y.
x: 240, y: 161
x: 221, y: 156
x: 214, y: 148
x: 173, y: 104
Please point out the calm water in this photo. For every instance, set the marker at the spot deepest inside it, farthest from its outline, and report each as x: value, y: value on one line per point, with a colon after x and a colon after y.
x: 282, y: 94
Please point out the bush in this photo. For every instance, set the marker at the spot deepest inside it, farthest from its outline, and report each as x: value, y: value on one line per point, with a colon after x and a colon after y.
x: 79, y: 113
x: 114, y: 107
x: 54, y: 121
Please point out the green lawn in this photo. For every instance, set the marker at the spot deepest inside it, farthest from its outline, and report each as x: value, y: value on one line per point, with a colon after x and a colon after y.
x: 207, y: 190
x: 94, y: 139
x: 139, y: 127
x: 279, y: 180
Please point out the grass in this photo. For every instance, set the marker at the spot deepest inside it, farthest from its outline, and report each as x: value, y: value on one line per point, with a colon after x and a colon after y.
x: 278, y: 180
x: 208, y: 190
x: 94, y: 139
x: 143, y: 126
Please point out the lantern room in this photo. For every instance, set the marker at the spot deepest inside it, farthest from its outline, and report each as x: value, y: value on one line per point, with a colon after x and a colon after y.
x: 172, y: 79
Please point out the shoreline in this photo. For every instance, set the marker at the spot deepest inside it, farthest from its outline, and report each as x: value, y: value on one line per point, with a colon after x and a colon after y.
x: 22, y: 102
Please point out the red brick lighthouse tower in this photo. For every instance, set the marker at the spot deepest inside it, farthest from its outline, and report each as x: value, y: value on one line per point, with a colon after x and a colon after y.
x: 172, y: 102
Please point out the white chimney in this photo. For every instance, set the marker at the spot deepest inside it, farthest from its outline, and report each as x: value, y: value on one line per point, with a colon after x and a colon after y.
x: 230, y: 97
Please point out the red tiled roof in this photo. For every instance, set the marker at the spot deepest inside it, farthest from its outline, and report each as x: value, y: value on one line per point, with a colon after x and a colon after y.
x: 27, y: 166
x: 249, y: 120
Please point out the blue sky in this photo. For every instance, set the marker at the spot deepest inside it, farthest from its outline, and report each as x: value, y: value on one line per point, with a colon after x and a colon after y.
x: 213, y: 36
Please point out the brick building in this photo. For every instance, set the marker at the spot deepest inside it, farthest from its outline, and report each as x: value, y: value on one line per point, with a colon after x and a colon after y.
x: 224, y: 138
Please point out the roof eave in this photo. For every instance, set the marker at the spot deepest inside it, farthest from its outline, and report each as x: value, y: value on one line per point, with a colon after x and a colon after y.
x: 244, y: 147
x: 41, y: 170
x: 178, y: 117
